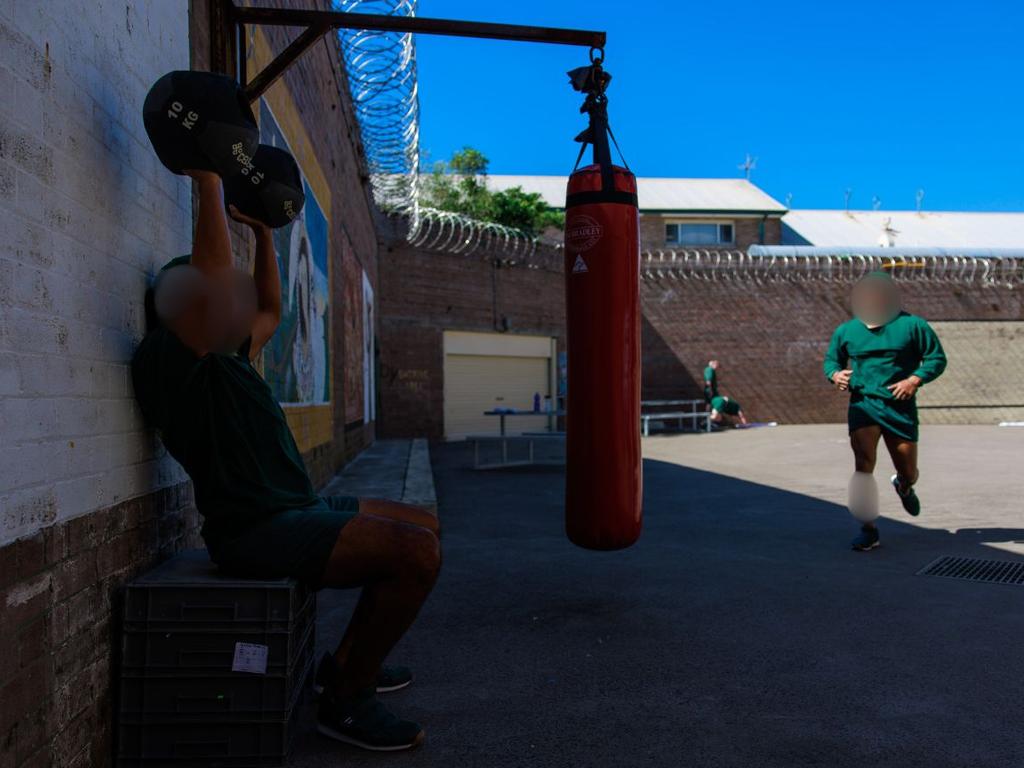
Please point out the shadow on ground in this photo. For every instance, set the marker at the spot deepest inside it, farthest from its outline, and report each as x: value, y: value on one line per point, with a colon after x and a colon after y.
x: 740, y: 631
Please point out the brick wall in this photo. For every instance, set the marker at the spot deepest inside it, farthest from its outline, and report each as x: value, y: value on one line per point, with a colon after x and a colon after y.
x: 60, y: 587
x: 88, y: 497
x: 771, y: 338
x: 88, y: 214
x: 424, y: 293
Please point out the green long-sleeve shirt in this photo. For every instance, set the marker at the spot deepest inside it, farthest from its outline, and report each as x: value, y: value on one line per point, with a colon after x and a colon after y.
x: 905, y: 346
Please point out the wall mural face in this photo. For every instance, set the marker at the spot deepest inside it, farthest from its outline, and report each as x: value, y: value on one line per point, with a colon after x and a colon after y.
x: 296, y: 361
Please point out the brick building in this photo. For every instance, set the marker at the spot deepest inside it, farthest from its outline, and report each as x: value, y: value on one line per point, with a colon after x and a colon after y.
x: 88, y: 496
x: 461, y: 333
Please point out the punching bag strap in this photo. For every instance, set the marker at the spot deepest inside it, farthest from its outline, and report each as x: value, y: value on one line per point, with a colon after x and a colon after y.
x: 593, y: 81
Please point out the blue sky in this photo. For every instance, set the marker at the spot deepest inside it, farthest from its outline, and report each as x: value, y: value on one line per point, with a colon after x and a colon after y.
x: 882, y: 98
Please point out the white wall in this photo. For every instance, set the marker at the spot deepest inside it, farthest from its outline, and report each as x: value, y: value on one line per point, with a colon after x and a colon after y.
x: 87, y: 214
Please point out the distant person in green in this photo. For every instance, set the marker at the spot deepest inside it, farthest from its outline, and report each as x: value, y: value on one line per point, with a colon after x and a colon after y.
x: 196, y: 382
x: 711, y: 380
x: 722, y: 406
x: 882, y: 357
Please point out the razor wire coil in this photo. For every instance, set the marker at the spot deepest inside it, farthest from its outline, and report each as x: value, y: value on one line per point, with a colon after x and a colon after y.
x: 740, y: 266
x: 382, y: 75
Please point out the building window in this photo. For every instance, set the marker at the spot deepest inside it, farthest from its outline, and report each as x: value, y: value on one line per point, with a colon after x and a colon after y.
x: 699, y: 234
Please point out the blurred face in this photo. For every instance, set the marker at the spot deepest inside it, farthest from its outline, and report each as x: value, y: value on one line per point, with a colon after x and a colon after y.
x: 211, y: 313
x: 714, y: 365
x: 876, y: 300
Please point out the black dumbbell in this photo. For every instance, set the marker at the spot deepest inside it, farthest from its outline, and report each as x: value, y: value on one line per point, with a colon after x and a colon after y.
x: 200, y: 121
x: 270, y: 189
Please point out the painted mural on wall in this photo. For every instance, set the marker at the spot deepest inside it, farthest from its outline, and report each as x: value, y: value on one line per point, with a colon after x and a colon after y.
x: 352, y: 292
x: 297, y: 360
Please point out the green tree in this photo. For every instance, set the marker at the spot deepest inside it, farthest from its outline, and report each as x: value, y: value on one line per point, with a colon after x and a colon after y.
x: 460, y: 185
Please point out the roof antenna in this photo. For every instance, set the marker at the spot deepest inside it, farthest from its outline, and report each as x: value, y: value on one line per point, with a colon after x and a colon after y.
x: 920, y: 198
x: 847, y: 195
x: 748, y: 165
x: 789, y: 200
x: 876, y: 202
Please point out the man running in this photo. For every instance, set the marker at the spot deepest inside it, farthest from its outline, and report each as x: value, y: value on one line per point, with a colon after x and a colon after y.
x: 195, y: 382
x: 882, y: 357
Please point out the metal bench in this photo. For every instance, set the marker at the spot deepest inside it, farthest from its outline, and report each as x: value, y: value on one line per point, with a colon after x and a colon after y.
x: 693, y: 415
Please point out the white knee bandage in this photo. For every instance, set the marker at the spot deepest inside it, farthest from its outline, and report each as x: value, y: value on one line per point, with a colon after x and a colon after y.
x: 863, y: 498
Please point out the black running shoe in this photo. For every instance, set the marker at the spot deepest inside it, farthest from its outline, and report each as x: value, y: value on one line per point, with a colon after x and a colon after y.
x: 388, y: 678
x: 366, y: 723
x: 868, y: 539
x: 392, y: 678
x: 908, y: 498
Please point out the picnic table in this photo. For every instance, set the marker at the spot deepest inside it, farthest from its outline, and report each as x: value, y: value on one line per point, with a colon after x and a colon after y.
x: 502, y: 413
x: 693, y: 411
x: 518, y: 450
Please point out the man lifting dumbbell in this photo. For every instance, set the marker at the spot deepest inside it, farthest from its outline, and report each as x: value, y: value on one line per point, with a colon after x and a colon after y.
x: 195, y: 381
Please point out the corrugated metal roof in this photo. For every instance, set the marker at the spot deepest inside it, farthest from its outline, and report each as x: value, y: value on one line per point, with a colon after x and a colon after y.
x: 663, y: 195
x: 945, y: 229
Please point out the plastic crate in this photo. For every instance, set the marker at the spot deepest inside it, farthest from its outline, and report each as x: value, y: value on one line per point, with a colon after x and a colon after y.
x: 191, y: 647
x: 189, y: 589
x: 214, y: 696
x: 207, y: 744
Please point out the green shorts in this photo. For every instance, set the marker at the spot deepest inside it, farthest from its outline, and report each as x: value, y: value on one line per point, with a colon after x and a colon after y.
x: 294, y: 542
x: 893, y: 416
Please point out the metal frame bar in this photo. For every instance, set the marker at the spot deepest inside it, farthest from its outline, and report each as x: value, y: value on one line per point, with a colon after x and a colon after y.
x: 227, y: 34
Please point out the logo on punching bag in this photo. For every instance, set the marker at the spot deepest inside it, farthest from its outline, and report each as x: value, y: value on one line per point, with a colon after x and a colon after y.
x: 582, y: 234
x: 579, y: 266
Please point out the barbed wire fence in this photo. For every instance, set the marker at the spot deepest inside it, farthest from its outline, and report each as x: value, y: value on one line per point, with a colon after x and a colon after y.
x: 754, y: 268
x: 385, y: 93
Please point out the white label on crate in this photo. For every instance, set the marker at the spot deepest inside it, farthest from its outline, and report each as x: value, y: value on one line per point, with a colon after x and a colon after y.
x: 250, y: 657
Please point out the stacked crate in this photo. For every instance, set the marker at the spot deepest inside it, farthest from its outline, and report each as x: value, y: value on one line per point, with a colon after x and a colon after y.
x: 212, y: 668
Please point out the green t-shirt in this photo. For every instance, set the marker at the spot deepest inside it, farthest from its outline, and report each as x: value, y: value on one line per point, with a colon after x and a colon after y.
x: 219, y: 419
x: 724, y: 405
x: 904, y: 346
x: 710, y: 390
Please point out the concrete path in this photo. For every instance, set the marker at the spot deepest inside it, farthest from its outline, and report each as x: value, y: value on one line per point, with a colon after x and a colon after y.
x: 389, y: 469
x: 740, y: 631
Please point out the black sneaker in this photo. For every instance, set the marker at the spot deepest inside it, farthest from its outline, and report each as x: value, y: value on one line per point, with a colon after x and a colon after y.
x: 907, y: 497
x: 366, y: 723
x: 393, y: 678
x: 868, y: 539
x: 388, y: 678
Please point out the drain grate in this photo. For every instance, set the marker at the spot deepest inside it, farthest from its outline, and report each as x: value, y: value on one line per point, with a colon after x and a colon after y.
x: 975, y: 569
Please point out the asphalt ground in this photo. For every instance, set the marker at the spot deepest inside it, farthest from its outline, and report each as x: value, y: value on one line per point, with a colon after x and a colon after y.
x: 739, y: 631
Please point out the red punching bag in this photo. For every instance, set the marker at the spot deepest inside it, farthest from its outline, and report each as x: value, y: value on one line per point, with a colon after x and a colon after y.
x: 602, y: 279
